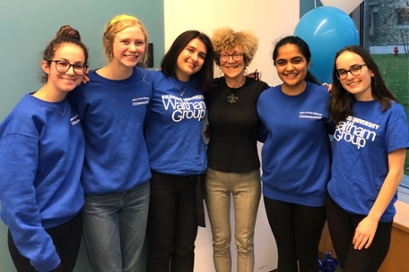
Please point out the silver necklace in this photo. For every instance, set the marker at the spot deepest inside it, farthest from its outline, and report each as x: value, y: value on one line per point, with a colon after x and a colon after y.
x: 177, y: 85
x: 65, y: 107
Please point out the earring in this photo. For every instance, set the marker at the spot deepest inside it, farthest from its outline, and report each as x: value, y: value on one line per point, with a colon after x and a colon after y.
x: 245, y: 71
x: 220, y: 72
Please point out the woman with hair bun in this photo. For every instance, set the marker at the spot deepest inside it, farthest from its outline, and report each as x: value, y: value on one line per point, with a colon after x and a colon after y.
x: 41, y: 157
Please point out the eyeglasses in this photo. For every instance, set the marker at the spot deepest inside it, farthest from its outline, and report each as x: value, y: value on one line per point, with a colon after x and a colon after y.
x: 355, y: 71
x: 234, y: 56
x: 62, y: 66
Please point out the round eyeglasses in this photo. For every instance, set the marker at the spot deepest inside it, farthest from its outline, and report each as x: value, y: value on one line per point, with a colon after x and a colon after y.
x: 355, y: 71
x: 62, y: 66
x: 234, y: 56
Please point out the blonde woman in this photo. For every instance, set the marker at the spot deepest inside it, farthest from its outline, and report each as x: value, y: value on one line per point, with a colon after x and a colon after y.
x: 233, y: 163
x: 116, y: 170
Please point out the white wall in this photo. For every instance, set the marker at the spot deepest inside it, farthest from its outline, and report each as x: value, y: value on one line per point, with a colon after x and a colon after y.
x: 269, y: 20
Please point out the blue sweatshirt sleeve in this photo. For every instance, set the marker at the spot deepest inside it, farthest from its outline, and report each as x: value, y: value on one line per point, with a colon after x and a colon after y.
x: 18, y: 168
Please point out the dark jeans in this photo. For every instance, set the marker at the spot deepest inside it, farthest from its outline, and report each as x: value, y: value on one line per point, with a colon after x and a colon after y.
x: 172, y: 223
x: 67, y: 240
x: 297, y: 230
x: 342, y: 227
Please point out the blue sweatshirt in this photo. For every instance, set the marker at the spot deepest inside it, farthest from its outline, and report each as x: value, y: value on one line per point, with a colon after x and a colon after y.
x: 112, y: 114
x: 296, y: 151
x: 41, y: 157
x: 174, y: 127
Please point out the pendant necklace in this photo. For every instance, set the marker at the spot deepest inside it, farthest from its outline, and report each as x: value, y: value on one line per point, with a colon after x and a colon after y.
x: 181, y: 91
x: 232, y: 98
x: 65, y: 107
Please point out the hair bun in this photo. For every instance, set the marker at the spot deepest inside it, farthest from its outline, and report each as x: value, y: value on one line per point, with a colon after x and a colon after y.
x: 67, y: 30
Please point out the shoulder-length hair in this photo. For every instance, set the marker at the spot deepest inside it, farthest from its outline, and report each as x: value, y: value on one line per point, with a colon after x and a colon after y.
x: 204, y: 76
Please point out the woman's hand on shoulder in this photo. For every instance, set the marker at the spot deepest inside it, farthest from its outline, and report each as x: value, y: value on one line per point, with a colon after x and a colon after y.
x: 254, y: 75
x: 85, y: 77
x: 329, y: 86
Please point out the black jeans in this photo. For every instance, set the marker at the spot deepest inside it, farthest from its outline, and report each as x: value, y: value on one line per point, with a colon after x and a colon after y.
x: 297, y: 230
x: 172, y: 223
x: 67, y: 240
x: 342, y: 227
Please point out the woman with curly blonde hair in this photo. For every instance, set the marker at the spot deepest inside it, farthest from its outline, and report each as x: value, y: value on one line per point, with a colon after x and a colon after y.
x: 233, y: 163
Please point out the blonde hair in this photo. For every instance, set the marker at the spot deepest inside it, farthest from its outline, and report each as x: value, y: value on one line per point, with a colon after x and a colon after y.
x: 225, y: 38
x: 117, y: 24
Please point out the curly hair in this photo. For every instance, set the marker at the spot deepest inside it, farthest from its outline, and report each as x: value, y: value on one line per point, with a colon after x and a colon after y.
x: 226, y: 38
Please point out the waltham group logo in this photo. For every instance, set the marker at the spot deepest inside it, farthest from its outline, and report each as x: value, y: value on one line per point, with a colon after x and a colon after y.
x: 185, y: 108
x: 356, y: 131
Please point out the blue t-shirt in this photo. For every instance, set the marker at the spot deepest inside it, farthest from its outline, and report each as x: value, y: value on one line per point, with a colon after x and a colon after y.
x: 41, y: 157
x: 174, y: 127
x: 361, y: 146
x: 113, y: 114
x: 296, y: 151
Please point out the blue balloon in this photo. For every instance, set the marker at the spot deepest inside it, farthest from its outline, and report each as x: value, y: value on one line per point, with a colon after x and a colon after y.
x: 326, y: 30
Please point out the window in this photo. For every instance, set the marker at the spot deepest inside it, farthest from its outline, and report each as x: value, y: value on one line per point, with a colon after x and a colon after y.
x: 384, y: 26
x: 373, y: 20
x: 402, y: 18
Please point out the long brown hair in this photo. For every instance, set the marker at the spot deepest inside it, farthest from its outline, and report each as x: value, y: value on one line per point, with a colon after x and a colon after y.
x: 169, y: 62
x: 341, y: 102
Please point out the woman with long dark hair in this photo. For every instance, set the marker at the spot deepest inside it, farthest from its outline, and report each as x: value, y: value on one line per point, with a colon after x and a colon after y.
x: 177, y: 152
x: 369, y: 150
x: 295, y: 156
